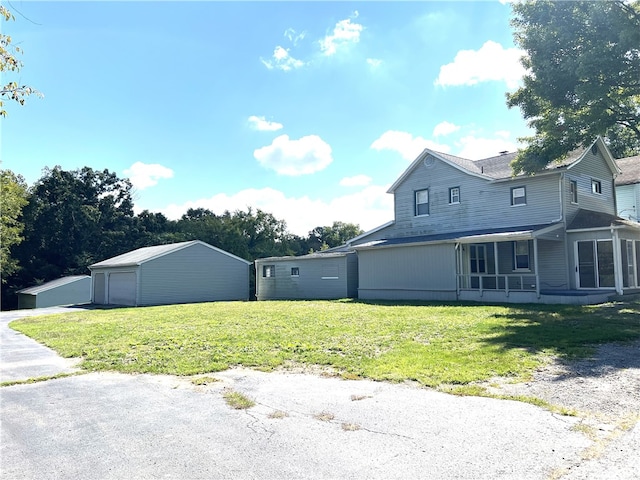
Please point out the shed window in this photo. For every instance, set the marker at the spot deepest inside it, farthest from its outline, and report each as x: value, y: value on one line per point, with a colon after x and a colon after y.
x: 454, y: 195
x: 268, y: 271
x: 518, y: 196
x: 295, y: 271
x: 573, y: 189
x: 422, y: 202
x: 596, y: 186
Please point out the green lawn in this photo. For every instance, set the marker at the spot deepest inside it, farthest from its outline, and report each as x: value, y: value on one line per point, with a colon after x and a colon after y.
x: 430, y: 343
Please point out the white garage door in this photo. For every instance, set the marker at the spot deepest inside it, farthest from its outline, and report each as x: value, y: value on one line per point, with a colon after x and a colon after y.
x: 122, y: 288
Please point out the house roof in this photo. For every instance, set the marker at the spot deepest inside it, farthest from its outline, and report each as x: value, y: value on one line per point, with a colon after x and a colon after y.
x: 311, y: 256
x: 499, y: 167
x: 630, y: 167
x: 588, y: 219
x: 485, y: 235
x: 53, y: 284
x: 145, y: 254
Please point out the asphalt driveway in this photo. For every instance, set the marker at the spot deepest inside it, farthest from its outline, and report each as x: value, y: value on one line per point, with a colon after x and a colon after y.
x: 109, y: 425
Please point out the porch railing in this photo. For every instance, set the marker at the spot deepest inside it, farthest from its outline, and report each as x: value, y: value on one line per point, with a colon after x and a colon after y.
x: 498, y: 282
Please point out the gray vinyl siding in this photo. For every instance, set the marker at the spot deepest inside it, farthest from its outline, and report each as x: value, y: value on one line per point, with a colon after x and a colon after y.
x: 193, y: 274
x: 590, y: 167
x: 552, y: 262
x: 330, y: 277
x: 74, y: 293
x: 482, y: 203
x: 628, y: 201
x: 408, y: 272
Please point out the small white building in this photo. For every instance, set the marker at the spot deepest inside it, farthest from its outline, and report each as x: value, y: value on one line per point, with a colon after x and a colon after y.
x: 628, y: 188
x: 71, y: 290
x: 185, y: 272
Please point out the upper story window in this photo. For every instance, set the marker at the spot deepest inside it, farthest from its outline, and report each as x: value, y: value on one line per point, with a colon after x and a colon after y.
x: 295, y: 271
x: 573, y: 191
x: 454, y: 195
x: 268, y: 271
x: 518, y: 196
x: 422, y: 202
x: 596, y: 186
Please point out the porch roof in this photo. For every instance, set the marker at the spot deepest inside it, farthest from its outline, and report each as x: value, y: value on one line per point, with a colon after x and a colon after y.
x: 504, y: 234
x: 590, y: 220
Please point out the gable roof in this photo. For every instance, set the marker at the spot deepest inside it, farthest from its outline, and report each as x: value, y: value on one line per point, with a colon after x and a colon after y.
x: 630, y: 167
x: 498, y: 168
x: 145, y: 254
x: 54, y: 284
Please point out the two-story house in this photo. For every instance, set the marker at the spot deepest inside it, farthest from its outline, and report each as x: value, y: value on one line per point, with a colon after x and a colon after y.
x: 470, y: 230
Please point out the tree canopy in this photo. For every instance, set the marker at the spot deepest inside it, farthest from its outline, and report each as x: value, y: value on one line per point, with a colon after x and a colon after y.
x: 10, y: 63
x: 583, y: 80
x: 13, y: 198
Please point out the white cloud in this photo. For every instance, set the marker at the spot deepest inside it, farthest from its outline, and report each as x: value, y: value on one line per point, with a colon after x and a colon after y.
x: 309, y: 154
x: 355, y: 181
x: 260, y: 123
x: 475, y: 148
x: 445, y: 128
x: 369, y: 207
x: 293, y: 36
x: 344, y: 33
x: 374, y: 62
x: 491, y: 63
x: 405, y: 143
x: 282, y: 60
x: 144, y: 175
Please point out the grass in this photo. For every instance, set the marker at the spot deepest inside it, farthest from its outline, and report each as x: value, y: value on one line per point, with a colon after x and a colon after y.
x: 237, y: 400
x: 432, y: 344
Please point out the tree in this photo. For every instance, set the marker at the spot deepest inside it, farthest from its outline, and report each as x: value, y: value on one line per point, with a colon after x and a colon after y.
x: 9, y: 63
x: 321, y: 238
x: 583, y: 80
x: 13, y: 197
x: 73, y: 219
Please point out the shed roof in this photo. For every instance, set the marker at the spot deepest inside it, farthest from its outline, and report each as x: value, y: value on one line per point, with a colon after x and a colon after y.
x: 311, y: 256
x: 145, y: 254
x: 53, y: 284
x: 588, y: 219
x: 630, y: 167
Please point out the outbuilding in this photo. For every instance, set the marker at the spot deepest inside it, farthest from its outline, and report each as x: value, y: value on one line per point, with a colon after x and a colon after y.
x: 322, y: 275
x: 72, y: 290
x: 185, y: 272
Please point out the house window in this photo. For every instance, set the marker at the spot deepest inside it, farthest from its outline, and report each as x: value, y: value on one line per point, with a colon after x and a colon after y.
x: 596, y: 186
x: 454, y: 195
x: 573, y: 189
x: 521, y: 255
x: 422, y: 202
x: 295, y: 271
x: 518, y: 196
x: 268, y: 271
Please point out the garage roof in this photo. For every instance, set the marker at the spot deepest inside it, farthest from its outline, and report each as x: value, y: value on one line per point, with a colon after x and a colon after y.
x: 52, y: 284
x: 142, y: 255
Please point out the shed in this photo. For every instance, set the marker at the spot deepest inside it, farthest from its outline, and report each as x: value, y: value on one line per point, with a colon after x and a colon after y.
x: 70, y: 290
x: 322, y: 275
x: 185, y: 272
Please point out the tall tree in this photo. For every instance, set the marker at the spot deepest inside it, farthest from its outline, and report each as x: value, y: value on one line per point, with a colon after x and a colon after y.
x: 13, y: 197
x: 321, y: 238
x: 73, y: 219
x: 583, y: 80
x: 10, y: 63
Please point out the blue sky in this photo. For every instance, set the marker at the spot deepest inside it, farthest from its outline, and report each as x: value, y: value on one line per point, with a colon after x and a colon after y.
x: 307, y: 110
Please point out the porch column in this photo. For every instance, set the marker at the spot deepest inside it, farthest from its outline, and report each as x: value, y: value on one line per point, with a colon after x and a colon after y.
x: 617, y: 261
x: 458, y: 251
x: 535, y: 265
x: 495, y: 260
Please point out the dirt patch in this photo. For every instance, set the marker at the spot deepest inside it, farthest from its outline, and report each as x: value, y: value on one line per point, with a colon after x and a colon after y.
x: 604, y: 388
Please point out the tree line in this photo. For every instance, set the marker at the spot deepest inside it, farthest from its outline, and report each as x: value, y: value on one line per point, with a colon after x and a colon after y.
x: 68, y: 220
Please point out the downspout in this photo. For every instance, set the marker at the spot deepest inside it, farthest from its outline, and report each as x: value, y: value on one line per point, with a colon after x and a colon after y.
x: 617, y: 262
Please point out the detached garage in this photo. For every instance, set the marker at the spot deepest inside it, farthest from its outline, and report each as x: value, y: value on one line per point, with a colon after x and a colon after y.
x: 185, y: 272
x: 71, y: 290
